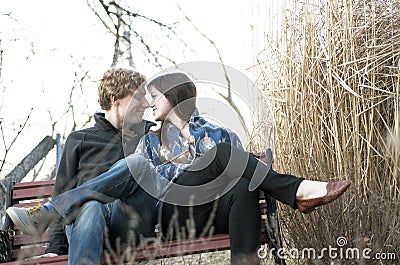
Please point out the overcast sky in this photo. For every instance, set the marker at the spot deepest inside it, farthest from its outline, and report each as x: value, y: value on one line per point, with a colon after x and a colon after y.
x: 45, y: 42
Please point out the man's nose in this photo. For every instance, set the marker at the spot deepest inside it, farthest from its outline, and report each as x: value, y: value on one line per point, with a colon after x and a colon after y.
x: 145, y: 103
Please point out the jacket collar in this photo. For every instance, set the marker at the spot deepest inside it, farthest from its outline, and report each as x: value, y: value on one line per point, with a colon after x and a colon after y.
x: 103, y: 124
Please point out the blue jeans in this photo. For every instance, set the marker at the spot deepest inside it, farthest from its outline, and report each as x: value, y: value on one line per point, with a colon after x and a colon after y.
x: 113, y: 200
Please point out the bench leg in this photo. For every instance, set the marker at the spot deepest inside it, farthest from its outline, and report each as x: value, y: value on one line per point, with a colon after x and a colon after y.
x: 273, y: 239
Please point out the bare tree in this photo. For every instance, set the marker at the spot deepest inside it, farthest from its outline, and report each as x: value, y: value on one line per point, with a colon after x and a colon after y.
x: 125, y: 26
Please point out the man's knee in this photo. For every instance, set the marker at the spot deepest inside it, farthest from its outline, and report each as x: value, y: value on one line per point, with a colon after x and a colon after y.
x: 92, y: 208
x: 91, y: 217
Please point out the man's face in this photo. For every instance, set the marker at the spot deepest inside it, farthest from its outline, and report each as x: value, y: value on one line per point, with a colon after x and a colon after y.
x: 135, y: 104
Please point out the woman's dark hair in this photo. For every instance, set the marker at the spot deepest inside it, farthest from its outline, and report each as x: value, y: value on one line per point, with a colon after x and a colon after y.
x: 179, y: 90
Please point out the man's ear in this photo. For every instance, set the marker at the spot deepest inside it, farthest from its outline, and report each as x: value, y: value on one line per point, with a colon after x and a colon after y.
x: 114, y: 100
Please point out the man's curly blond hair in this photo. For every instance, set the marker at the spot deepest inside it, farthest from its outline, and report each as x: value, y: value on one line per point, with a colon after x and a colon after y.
x: 118, y: 83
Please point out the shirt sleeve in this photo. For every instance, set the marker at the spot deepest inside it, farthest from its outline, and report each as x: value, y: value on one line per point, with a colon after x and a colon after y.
x: 231, y: 138
x: 235, y: 140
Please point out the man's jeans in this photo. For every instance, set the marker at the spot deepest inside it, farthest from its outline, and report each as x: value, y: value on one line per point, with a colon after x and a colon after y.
x: 113, y: 200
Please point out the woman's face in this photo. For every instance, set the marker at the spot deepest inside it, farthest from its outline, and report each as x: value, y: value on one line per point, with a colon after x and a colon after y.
x: 160, y: 105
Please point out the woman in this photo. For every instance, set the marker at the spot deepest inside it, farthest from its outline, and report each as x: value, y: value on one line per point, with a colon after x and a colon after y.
x: 192, y: 153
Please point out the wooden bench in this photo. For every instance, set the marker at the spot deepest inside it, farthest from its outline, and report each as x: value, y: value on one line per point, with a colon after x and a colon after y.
x: 24, y: 246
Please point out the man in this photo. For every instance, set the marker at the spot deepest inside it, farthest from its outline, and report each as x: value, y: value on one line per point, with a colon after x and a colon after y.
x: 83, y: 199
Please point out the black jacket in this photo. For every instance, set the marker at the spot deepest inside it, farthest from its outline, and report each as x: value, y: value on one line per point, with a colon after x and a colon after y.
x: 88, y: 153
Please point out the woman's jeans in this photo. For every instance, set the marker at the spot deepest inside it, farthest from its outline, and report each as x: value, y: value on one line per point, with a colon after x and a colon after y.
x: 113, y: 200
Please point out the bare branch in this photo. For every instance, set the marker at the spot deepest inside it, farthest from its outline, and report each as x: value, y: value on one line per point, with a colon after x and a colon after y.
x: 228, y: 81
x: 100, y: 18
x: 122, y: 20
x: 29, y: 161
x: 7, y: 148
x: 131, y: 14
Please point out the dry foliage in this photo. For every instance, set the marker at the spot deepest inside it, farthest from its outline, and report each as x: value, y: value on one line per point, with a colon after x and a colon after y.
x: 334, y: 79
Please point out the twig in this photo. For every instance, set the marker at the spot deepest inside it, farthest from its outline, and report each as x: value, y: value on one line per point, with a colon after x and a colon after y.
x: 7, y: 148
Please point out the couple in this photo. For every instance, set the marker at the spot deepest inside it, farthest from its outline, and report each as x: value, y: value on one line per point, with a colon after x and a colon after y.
x: 98, y: 188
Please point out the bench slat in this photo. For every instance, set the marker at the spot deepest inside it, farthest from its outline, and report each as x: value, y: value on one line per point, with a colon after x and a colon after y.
x: 33, y: 193
x: 28, y: 252
x: 183, y: 248
x: 33, y: 184
x: 59, y: 260
x: 21, y: 239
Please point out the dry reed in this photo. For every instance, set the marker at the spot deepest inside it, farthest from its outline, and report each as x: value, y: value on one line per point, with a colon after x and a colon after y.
x: 335, y: 70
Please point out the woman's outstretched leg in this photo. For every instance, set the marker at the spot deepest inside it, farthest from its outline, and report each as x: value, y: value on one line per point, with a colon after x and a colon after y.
x: 224, y: 165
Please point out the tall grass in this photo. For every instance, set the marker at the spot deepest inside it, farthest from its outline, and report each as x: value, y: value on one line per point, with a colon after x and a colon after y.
x: 335, y: 70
